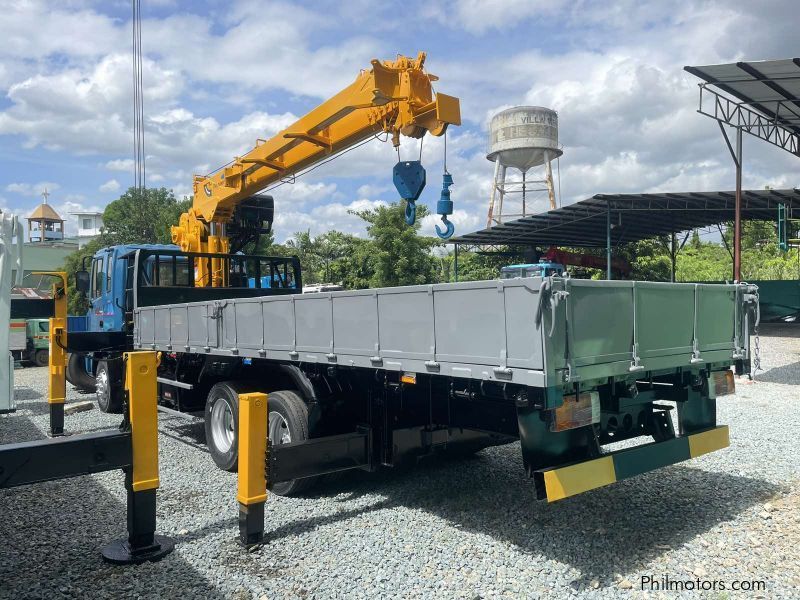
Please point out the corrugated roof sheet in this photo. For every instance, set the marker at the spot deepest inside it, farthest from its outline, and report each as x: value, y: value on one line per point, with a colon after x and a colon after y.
x: 634, y: 217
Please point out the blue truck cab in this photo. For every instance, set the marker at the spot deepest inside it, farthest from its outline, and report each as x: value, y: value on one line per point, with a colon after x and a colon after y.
x: 540, y: 269
x: 107, y: 285
x: 125, y: 277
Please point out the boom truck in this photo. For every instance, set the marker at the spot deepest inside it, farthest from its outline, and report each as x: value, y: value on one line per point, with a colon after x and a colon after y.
x: 371, y: 378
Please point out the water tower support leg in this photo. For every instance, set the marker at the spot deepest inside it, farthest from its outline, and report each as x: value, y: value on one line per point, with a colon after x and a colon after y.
x: 490, y: 216
x: 501, y: 187
x: 551, y: 192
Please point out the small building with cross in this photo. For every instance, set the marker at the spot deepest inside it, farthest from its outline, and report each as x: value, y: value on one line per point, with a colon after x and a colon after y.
x: 45, y: 224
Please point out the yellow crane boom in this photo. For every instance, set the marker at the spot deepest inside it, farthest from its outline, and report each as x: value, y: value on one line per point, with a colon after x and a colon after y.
x: 395, y: 97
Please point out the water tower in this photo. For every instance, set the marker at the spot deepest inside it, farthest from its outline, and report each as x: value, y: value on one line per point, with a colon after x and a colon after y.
x: 522, y: 138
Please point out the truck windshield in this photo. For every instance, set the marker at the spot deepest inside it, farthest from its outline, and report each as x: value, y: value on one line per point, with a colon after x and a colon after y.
x: 176, y: 270
x: 527, y: 271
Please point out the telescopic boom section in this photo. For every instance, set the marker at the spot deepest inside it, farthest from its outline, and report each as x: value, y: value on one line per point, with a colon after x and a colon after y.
x: 394, y: 97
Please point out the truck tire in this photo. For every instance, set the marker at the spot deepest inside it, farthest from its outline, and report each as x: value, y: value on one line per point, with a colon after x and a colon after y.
x: 41, y: 358
x: 109, y: 386
x: 222, y: 424
x: 288, y: 422
x: 77, y: 375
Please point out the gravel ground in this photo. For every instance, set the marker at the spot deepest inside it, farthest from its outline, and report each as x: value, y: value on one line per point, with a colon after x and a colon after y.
x: 449, y: 528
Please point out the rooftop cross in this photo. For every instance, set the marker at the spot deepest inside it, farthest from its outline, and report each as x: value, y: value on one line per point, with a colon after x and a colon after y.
x: 45, y: 195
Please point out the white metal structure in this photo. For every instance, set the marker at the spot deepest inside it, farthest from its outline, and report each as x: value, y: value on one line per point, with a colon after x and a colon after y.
x: 522, y: 138
x: 10, y: 228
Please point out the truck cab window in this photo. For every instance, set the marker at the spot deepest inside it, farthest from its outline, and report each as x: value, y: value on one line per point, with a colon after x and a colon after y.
x: 109, y: 272
x: 97, y: 278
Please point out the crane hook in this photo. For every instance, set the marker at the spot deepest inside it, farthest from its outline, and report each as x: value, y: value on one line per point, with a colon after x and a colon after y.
x: 445, y: 235
x: 411, y: 211
x: 445, y: 207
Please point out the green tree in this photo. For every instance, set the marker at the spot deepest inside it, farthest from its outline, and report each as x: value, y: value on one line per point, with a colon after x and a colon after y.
x: 477, y: 266
x: 142, y: 217
x: 78, y: 304
x: 354, y: 269
x: 399, y: 255
x: 134, y: 218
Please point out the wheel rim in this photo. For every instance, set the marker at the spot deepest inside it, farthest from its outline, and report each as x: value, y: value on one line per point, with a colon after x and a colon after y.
x: 278, y: 429
x: 222, y: 423
x: 102, y: 387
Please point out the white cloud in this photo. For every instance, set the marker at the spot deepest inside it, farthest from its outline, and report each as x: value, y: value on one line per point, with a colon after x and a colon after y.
x: 612, y: 70
x: 324, y: 218
x: 369, y: 189
x: 32, y: 189
x: 120, y: 164
x: 112, y: 185
x: 480, y: 16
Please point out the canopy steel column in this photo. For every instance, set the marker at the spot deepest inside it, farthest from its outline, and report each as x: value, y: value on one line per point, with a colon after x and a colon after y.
x: 608, y: 240
x: 672, y: 253
x: 736, y: 155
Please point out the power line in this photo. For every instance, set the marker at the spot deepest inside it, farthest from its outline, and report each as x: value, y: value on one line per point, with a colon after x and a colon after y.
x: 139, y: 174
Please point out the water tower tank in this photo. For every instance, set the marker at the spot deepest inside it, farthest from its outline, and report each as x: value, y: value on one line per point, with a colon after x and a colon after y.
x: 523, y: 137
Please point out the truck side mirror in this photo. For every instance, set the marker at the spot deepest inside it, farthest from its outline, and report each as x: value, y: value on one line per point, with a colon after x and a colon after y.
x: 82, y: 281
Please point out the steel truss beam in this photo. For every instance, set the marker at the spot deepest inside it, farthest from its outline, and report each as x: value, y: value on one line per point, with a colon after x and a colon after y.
x: 737, y: 114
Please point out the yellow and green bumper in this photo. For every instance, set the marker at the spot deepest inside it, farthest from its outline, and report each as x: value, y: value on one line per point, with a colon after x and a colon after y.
x: 562, y: 482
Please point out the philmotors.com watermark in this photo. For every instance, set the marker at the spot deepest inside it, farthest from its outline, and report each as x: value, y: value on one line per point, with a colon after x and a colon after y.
x: 666, y: 583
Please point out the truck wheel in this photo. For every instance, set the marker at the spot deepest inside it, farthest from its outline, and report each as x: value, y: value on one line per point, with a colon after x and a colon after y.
x: 288, y: 422
x: 109, y: 386
x: 77, y: 375
x: 222, y: 424
x: 41, y: 358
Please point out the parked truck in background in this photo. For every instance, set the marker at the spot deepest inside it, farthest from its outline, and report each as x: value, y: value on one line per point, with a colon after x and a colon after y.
x: 29, y: 341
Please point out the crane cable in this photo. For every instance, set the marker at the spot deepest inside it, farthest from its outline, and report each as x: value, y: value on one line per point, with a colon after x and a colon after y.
x: 138, y: 100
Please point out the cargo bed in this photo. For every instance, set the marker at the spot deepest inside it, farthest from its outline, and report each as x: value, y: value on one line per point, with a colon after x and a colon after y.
x: 532, y: 332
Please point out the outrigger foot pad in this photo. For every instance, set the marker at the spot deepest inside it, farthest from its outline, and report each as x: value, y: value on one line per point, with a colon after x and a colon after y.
x: 119, y: 552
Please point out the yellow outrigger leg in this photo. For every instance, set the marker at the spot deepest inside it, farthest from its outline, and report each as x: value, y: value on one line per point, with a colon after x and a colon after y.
x: 252, y: 484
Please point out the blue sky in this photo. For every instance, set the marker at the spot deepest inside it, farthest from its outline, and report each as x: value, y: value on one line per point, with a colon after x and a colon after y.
x: 220, y: 74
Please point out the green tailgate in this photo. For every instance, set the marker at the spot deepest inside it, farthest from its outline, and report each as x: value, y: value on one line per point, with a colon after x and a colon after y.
x: 606, y: 328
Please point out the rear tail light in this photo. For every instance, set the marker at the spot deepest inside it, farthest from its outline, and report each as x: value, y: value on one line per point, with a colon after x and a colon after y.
x: 722, y: 382
x: 576, y: 411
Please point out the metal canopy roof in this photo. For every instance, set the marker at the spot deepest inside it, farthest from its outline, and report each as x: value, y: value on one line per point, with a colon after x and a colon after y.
x: 633, y: 217
x: 763, y: 98
x: 772, y: 87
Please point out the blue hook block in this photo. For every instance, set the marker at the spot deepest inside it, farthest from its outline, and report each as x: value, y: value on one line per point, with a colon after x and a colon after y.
x: 409, y: 179
x: 445, y: 207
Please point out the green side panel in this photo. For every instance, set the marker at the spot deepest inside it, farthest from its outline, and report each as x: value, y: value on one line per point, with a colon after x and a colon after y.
x: 715, y: 316
x: 664, y: 318
x: 601, y: 318
x: 641, y: 459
